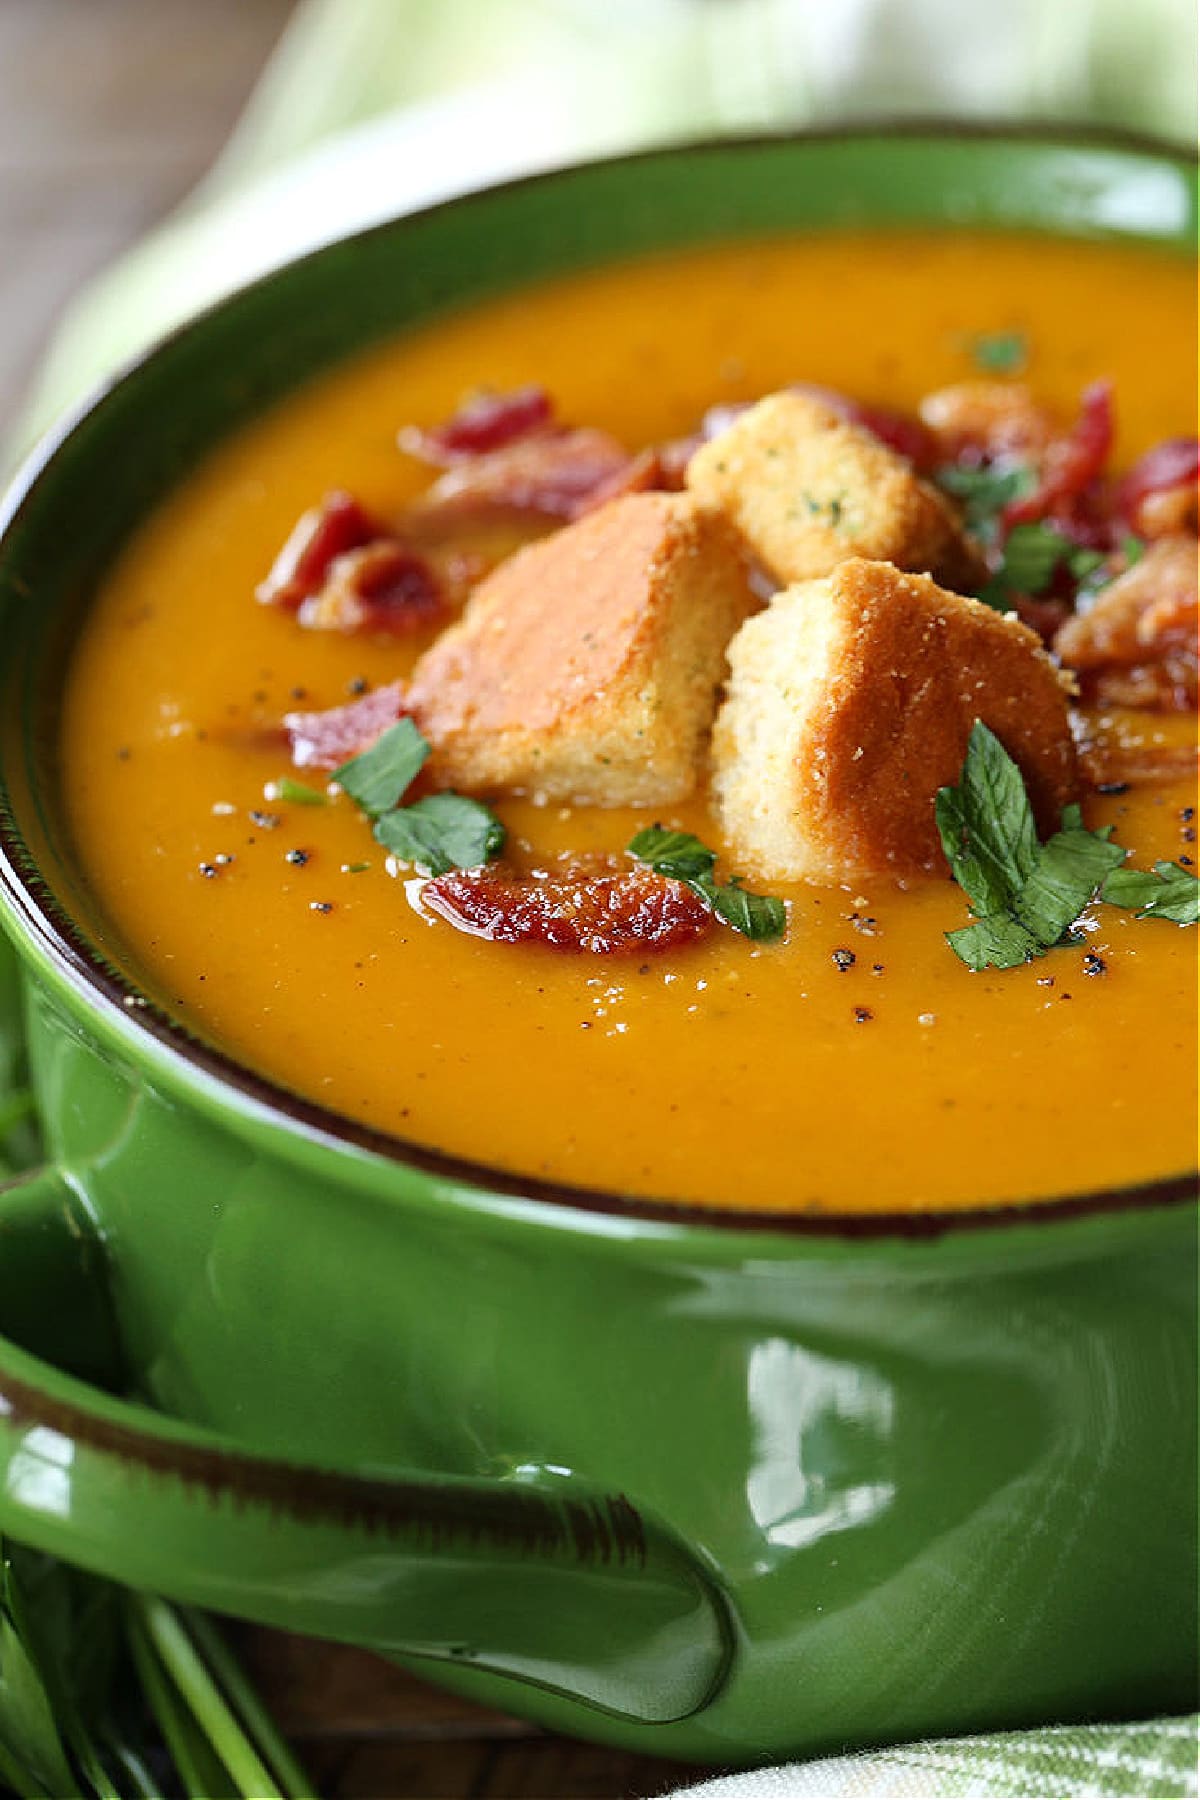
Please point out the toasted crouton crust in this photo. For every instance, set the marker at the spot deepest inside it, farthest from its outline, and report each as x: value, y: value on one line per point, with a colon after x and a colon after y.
x: 587, y: 666
x: 807, y: 489
x: 850, y: 703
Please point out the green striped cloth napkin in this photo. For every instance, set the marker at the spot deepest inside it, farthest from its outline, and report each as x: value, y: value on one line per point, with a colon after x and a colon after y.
x: 370, y: 107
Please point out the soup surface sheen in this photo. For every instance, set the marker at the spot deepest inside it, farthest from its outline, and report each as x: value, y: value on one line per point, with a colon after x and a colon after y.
x: 758, y: 1076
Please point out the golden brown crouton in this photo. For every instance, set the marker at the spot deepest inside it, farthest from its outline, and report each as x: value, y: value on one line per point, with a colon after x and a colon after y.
x: 807, y: 489
x: 850, y: 703
x: 587, y: 666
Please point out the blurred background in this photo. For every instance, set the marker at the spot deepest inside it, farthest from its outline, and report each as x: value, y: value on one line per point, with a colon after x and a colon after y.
x: 112, y: 111
x: 109, y: 111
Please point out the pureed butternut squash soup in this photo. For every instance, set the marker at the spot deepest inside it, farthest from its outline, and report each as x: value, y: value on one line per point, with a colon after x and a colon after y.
x: 927, y: 417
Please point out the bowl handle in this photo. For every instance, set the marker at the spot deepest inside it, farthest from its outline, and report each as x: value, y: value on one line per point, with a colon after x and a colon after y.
x: 540, y: 1576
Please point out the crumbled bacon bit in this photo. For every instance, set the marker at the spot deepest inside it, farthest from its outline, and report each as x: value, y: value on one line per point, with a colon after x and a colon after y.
x: 900, y: 432
x: 554, y: 474
x: 320, y: 535
x: 324, y: 740
x: 1071, y: 464
x: 1111, y: 766
x: 1046, y: 616
x: 1157, y: 496
x: 484, y: 423
x: 661, y: 469
x: 595, y: 907
x: 1166, y: 511
x: 1136, y: 646
x: 382, y: 586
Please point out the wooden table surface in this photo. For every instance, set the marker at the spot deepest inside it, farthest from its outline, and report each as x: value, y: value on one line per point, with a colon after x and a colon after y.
x: 109, y: 111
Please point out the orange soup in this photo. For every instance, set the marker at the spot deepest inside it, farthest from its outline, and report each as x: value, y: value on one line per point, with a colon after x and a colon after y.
x: 854, y: 1065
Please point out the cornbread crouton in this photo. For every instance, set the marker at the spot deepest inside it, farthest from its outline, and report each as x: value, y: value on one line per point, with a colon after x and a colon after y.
x: 850, y: 703
x: 806, y: 489
x: 587, y: 666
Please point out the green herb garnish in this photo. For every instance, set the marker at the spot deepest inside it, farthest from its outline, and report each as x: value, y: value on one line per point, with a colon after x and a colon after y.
x: 442, y: 832
x: 378, y: 777
x: 1026, y: 896
x: 296, y: 793
x: 1000, y: 352
x: 1169, y: 892
x: 439, y: 833
x: 1083, y: 564
x: 1032, y: 556
x: 673, y: 853
x: 985, y: 493
x: 682, y: 857
x: 1070, y: 867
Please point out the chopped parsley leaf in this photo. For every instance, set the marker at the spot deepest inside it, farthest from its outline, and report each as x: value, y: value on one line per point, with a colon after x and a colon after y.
x: 1027, y: 897
x: 674, y: 853
x: 442, y: 832
x: 296, y: 793
x: 1168, y: 892
x: 681, y: 857
x: 1032, y: 555
x: 1070, y: 867
x: 986, y: 825
x: 438, y: 833
x: 985, y: 492
x: 998, y: 942
x: 1084, y: 563
x: 1000, y: 352
x: 378, y: 777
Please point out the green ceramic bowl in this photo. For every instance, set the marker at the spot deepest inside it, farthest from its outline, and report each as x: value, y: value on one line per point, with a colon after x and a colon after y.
x: 712, y: 1486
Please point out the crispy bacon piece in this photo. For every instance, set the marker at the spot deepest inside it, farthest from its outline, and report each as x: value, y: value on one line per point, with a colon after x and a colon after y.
x: 1109, y: 764
x: 1157, y: 496
x: 1137, y: 645
x: 485, y: 423
x: 338, y: 524
x: 986, y: 421
x: 591, y: 906
x: 900, y: 432
x: 1116, y: 750
x: 325, y: 740
x: 661, y: 470
x: 555, y: 474
x: 1071, y: 465
x: 383, y: 586
x: 1045, y: 615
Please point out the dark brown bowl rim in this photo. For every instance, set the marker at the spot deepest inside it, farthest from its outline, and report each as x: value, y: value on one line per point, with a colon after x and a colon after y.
x: 38, y: 908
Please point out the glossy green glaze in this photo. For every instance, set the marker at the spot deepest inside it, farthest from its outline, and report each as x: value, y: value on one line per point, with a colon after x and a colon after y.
x: 704, y: 1489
